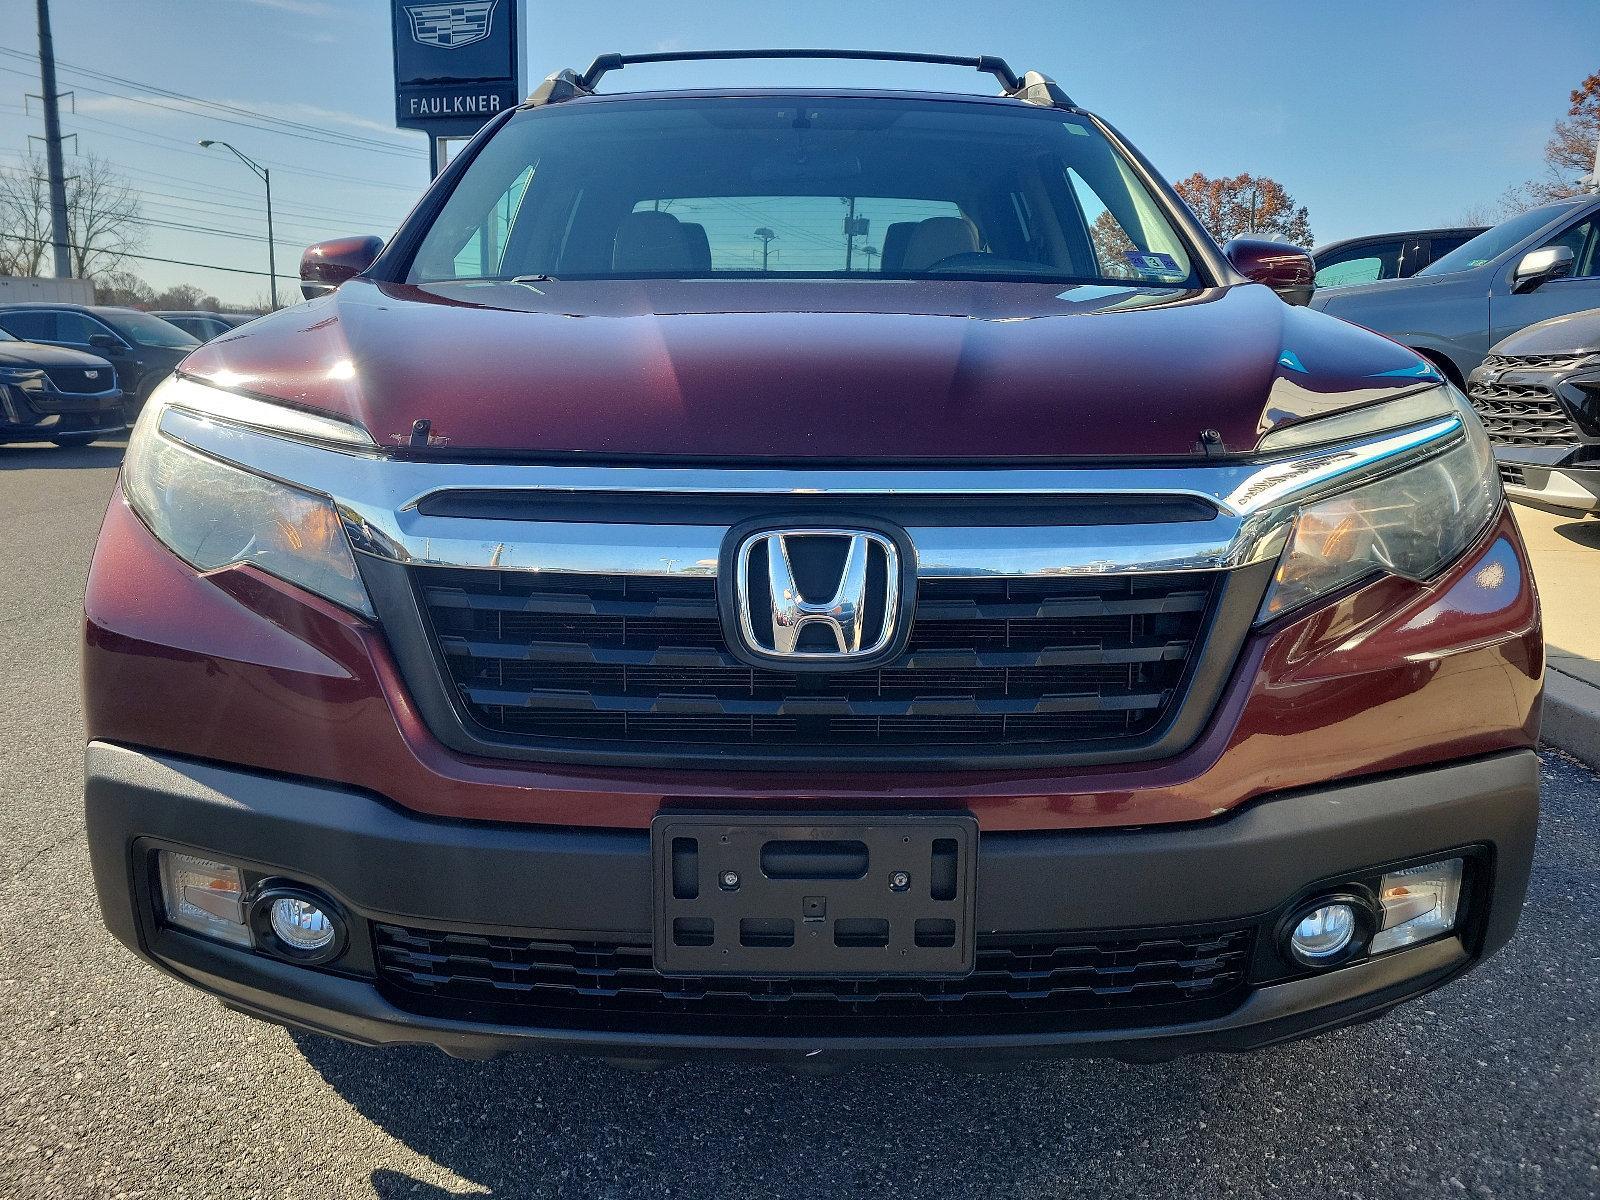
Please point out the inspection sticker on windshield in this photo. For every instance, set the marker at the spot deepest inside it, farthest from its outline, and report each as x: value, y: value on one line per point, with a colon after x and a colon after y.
x: 1158, y: 266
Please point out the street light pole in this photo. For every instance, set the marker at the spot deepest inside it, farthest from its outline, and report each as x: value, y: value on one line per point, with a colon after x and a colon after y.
x: 266, y: 178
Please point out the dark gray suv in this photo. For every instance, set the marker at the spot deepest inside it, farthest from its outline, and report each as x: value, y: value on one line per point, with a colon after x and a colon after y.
x: 1540, y: 264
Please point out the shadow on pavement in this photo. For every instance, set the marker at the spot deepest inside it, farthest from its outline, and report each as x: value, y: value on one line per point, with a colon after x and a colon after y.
x: 43, y: 456
x: 523, y: 1125
x: 1583, y: 532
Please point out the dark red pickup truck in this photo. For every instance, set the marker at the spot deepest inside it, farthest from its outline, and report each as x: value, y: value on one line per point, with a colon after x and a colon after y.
x: 801, y: 572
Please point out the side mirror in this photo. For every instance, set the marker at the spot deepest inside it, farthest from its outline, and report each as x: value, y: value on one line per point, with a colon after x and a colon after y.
x: 104, y: 341
x: 1287, y: 270
x: 1541, y: 266
x: 325, y: 265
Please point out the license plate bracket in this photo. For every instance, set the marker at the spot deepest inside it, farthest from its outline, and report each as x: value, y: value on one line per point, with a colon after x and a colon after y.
x: 800, y: 895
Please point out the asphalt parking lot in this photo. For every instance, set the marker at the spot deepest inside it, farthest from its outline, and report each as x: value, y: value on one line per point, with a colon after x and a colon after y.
x: 117, y: 1082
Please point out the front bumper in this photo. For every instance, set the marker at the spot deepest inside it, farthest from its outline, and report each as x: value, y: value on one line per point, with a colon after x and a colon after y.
x: 29, y: 414
x: 1549, y: 484
x: 381, y: 864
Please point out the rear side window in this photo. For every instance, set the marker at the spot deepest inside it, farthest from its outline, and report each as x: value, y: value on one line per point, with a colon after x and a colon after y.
x: 816, y: 187
x: 1367, y: 263
x: 799, y: 233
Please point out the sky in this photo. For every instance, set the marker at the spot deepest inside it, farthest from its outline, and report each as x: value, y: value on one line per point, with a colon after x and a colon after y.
x: 1377, y: 115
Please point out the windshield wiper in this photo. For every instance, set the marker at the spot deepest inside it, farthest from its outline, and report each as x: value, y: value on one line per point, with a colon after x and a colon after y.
x: 534, y: 279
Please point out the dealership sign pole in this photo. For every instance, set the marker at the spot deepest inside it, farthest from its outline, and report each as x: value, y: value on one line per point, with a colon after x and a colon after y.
x: 456, y: 65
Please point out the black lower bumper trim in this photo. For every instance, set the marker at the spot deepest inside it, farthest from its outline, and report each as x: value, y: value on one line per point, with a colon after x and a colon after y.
x: 385, y: 865
x: 353, y: 1011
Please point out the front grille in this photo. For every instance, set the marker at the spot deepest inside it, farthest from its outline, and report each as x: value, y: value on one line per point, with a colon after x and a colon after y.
x: 1512, y: 473
x: 642, y: 661
x: 1533, y: 362
x: 74, y: 380
x: 1056, y: 980
x: 1522, y: 415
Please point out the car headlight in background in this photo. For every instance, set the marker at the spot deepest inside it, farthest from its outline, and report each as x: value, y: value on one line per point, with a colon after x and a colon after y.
x: 212, y: 514
x: 1412, y: 523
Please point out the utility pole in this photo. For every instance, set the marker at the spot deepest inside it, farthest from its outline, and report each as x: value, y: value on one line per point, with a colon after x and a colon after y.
x: 850, y: 237
x: 767, y: 237
x: 60, y: 231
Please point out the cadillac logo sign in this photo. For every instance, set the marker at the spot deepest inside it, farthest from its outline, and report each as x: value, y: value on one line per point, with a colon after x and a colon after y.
x: 451, y: 26
x: 457, y: 64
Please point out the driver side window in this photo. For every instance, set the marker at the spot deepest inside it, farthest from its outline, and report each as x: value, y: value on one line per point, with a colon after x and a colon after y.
x: 1584, y: 241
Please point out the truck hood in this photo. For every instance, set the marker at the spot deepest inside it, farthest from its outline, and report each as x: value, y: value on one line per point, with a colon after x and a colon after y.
x: 799, y: 369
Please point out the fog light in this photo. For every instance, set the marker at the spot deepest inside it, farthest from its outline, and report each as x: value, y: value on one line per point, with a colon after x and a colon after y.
x: 1324, y: 932
x: 1418, y: 903
x: 301, y: 923
x: 1328, y: 930
x: 203, y: 896
x: 297, y: 924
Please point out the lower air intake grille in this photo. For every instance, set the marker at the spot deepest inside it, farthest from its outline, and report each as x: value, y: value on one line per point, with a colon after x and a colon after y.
x: 641, y: 661
x: 1021, y: 980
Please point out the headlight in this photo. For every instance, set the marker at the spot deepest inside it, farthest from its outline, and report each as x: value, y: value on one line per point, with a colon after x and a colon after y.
x: 212, y: 514
x: 19, y: 374
x: 1412, y: 523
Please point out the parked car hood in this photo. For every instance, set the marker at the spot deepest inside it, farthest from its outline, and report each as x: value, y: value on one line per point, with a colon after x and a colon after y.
x: 1572, y: 334
x: 36, y: 354
x: 841, y: 370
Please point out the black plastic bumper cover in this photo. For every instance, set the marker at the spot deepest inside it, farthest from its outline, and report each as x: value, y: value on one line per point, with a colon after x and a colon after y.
x: 383, y: 863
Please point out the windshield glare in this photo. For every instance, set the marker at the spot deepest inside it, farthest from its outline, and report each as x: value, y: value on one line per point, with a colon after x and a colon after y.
x: 837, y: 188
x: 1491, y: 243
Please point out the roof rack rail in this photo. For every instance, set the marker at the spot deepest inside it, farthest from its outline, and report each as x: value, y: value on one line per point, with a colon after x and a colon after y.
x: 1031, y: 87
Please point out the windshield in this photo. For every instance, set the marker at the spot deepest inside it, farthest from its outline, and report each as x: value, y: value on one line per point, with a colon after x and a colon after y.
x: 147, y: 330
x: 836, y: 188
x: 1491, y: 243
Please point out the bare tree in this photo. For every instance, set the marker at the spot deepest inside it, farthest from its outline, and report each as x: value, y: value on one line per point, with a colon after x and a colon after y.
x: 124, y: 288
x: 103, y: 213
x: 24, y: 219
x: 1246, y: 206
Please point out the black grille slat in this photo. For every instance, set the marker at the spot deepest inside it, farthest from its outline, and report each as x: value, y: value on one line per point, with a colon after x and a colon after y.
x: 1522, y: 414
x: 1022, y: 976
x: 1107, y: 700
x: 571, y: 604
x: 642, y: 661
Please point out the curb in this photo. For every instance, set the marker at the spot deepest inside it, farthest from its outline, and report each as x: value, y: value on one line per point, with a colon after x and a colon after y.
x: 1572, y: 717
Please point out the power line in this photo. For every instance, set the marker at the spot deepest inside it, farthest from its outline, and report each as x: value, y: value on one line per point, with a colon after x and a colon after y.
x: 335, y: 140
x: 260, y: 122
x: 207, y: 194
x: 176, y: 262
x: 182, y: 146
